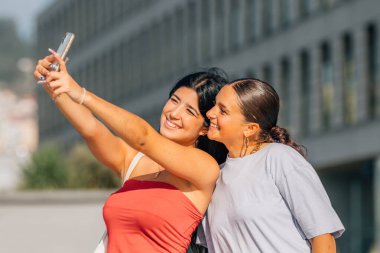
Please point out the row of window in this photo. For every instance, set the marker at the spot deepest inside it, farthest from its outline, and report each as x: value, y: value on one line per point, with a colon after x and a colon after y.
x: 236, y: 22
x: 338, y: 93
x: 88, y: 19
x: 197, y: 33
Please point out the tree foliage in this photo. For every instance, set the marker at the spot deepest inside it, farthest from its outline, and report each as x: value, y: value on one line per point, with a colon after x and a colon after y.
x: 51, y: 168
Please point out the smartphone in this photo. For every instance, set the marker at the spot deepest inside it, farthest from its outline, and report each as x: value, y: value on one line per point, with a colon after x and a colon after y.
x: 62, y: 51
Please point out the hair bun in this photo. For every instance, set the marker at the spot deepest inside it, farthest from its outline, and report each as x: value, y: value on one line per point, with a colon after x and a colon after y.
x: 279, y: 135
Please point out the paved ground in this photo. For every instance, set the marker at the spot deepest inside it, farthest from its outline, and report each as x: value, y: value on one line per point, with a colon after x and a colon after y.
x: 51, y: 222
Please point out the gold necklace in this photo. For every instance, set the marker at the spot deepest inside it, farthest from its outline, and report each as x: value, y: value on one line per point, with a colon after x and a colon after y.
x: 256, y: 147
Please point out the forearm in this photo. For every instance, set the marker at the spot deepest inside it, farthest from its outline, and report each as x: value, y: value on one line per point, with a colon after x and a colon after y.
x: 323, y: 244
x: 128, y: 126
x: 78, y: 116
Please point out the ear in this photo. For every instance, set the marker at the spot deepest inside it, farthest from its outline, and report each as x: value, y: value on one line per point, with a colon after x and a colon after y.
x: 203, y: 131
x: 251, y: 129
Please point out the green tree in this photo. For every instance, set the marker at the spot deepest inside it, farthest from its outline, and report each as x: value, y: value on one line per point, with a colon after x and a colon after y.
x: 51, y: 168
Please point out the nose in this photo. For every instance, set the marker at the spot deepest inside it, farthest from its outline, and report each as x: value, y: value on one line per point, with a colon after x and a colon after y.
x: 211, y: 113
x: 175, y: 113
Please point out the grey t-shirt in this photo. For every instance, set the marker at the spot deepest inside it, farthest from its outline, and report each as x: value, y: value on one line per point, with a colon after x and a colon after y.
x: 269, y: 201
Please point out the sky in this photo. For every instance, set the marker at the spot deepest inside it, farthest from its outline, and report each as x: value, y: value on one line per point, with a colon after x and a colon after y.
x: 24, y: 13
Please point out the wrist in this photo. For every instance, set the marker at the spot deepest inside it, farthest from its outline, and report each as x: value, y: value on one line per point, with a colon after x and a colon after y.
x: 82, y: 98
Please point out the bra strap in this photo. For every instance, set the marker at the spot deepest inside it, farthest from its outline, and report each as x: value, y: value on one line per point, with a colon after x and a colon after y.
x: 132, y: 166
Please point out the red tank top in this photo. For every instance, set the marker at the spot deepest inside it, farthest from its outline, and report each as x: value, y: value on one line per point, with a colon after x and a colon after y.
x: 149, y: 216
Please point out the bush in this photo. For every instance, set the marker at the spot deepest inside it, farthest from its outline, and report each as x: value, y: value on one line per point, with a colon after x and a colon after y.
x: 46, y: 169
x: 84, y: 171
x: 49, y: 168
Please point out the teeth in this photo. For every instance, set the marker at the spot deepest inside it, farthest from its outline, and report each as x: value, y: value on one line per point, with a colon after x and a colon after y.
x: 213, y: 125
x: 171, y: 124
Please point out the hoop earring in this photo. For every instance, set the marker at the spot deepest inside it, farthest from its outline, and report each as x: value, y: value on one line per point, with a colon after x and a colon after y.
x: 244, y: 146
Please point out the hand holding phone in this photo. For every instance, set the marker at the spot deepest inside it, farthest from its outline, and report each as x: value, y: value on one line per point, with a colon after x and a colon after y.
x: 62, y: 51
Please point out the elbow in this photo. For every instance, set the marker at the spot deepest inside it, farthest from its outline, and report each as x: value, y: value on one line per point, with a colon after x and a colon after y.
x: 88, y: 132
x: 141, y: 140
x: 138, y: 135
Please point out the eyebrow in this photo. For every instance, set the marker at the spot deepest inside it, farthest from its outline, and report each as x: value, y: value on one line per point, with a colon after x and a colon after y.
x: 195, y: 110
x: 223, y: 106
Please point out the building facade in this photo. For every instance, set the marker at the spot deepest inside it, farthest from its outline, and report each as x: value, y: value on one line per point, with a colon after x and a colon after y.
x: 322, y: 56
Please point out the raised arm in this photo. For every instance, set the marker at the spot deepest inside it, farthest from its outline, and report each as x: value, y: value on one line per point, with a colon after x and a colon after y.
x: 189, y: 163
x: 106, y: 147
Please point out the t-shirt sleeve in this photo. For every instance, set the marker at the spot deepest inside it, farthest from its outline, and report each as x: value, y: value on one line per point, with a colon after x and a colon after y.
x: 304, y: 194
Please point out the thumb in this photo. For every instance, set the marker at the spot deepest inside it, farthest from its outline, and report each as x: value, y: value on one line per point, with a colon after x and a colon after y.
x: 61, y: 62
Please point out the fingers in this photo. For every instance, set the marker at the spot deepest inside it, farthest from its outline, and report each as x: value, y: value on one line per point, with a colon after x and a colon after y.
x: 43, y: 67
x: 61, y: 62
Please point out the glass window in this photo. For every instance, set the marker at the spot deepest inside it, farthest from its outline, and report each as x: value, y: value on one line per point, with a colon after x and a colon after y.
x: 267, y: 16
x: 250, y: 24
x: 372, y: 61
x: 284, y: 90
x: 219, y: 29
x: 305, y: 83
x: 349, y: 82
x: 285, y: 10
x: 206, y: 30
x: 327, y: 86
x: 304, y: 7
x: 267, y: 74
x: 192, y: 34
x: 235, y: 34
x: 179, y: 43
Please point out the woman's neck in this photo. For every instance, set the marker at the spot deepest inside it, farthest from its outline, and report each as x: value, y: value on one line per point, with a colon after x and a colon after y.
x: 235, y: 152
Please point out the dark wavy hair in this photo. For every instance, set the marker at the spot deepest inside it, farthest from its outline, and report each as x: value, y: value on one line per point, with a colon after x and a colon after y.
x: 260, y: 103
x: 206, y: 84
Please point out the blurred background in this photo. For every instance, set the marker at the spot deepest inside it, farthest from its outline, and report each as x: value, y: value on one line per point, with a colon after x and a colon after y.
x: 322, y: 56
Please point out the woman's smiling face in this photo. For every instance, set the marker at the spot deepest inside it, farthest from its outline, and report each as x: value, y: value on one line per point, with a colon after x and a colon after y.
x: 181, y: 120
x: 226, y: 118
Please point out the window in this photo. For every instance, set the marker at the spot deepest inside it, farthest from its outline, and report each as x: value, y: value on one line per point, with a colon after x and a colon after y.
x: 285, y: 12
x: 206, y: 31
x: 192, y: 34
x: 327, y: 87
x: 267, y: 74
x: 349, y: 82
x: 179, y: 40
x: 372, y: 59
x: 267, y: 16
x: 219, y: 29
x: 235, y: 35
x: 304, y: 8
x: 284, y: 90
x: 305, y: 83
x: 250, y: 24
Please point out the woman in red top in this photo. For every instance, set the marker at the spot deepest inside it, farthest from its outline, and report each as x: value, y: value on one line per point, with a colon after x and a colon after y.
x: 168, y: 188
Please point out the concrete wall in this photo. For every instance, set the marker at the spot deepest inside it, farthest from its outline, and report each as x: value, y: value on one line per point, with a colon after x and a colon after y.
x: 51, y: 222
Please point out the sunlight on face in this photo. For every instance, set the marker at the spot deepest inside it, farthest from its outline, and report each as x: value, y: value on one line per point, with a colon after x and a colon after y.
x: 181, y: 120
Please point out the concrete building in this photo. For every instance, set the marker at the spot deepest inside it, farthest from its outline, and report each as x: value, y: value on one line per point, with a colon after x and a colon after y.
x: 322, y: 56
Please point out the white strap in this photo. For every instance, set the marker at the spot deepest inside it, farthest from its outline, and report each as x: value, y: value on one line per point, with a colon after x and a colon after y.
x: 132, y: 166
x: 102, y: 245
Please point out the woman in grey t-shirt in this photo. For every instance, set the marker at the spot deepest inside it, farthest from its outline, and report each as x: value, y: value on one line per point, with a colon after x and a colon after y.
x: 268, y: 197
